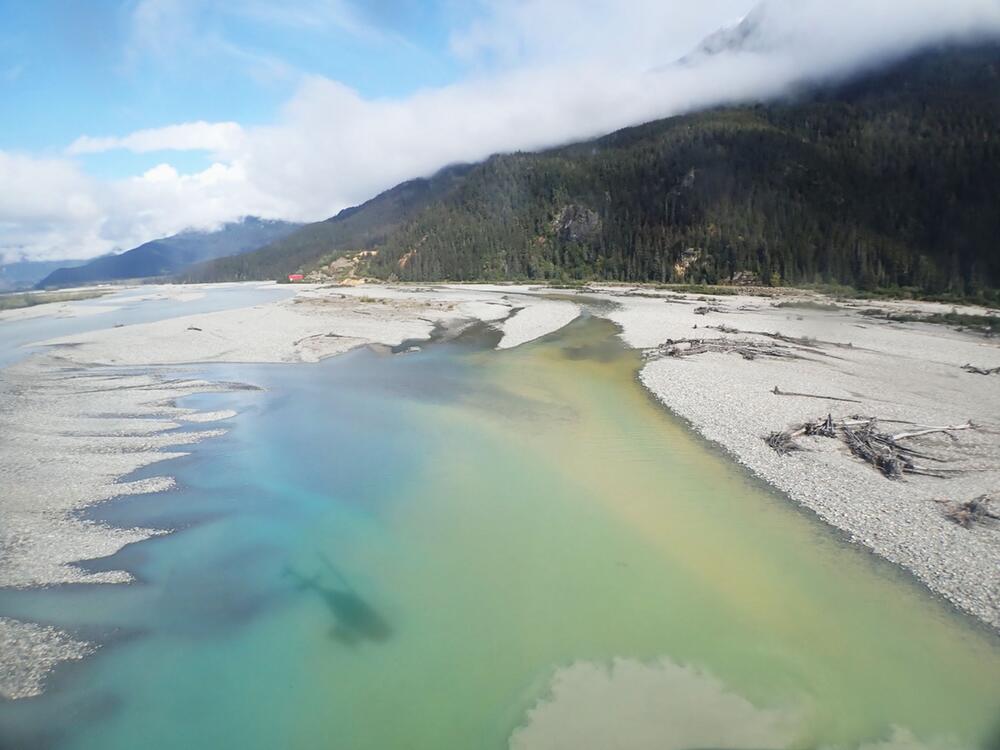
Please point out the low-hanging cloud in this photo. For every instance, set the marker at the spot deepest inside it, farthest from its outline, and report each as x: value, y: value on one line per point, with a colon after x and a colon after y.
x: 330, y: 147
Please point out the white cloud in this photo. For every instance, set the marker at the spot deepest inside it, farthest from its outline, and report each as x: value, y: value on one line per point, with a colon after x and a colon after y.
x: 548, y: 72
x: 332, y: 148
x: 216, y: 137
x: 50, y: 210
x: 818, y: 37
x: 40, y: 189
x: 637, y: 33
x: 45, y: 203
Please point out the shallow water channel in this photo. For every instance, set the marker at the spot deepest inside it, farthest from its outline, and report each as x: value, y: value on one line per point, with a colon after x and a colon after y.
x: 403, y: 551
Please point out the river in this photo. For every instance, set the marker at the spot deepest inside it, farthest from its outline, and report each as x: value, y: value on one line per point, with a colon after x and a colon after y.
x: 403, y: 551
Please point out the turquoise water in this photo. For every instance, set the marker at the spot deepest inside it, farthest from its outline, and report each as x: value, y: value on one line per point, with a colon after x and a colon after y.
x: 400, y: 551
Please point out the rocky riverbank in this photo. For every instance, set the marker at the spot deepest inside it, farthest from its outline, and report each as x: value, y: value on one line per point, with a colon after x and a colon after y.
x: 91, y: 408
x: 842, y: 359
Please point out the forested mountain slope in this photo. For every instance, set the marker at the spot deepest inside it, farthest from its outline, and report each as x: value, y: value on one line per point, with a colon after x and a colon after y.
x: 890, y: 179
x: 357, y: 228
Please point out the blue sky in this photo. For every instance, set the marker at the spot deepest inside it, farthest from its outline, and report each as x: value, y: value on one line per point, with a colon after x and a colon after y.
x: 126, y: 120
x: 69, y: 67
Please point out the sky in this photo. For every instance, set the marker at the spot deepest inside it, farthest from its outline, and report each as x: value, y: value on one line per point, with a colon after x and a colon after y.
x: 126, y: 120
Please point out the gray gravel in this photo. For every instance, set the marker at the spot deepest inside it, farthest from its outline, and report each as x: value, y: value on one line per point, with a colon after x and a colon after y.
x: 70, y: 430
x: 76, y: 419
x: 66, y: 437
x: 29, y: 652
x: 896, y: 371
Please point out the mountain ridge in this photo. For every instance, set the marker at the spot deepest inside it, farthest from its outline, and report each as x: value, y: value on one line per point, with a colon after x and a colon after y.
x: 357, y: 227
x: 737, y: 37
x: 167, y: 256
x: 881, y: 179
x: 24, y: 274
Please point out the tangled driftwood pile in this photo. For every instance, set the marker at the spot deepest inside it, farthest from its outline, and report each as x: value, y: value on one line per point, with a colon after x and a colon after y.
x: 706, y: 309
x: 746, y: 348
x: 747, y: 345
x: 890, y: 453
x: 971, y: 512
x: 804, y: 341
x: 981, y: 370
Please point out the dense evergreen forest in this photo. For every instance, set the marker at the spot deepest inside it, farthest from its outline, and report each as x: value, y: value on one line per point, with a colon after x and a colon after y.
x: 357, y: 228
x: 889, y: 180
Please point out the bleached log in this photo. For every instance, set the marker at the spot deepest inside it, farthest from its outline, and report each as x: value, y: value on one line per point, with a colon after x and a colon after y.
x: 778, y: 392
x: 933, y: 430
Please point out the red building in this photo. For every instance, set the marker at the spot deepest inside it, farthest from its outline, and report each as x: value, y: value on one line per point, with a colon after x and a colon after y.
x: 295, y: 277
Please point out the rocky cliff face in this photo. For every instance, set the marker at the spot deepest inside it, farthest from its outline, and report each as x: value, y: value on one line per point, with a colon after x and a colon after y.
x: 577, y: 223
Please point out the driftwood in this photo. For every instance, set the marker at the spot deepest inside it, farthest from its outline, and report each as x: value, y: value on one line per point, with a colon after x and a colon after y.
x: 778, y: 336
x: 746, y: 348
x: 981, y: 370
x: 931, y: 430
x: 779, y: 346
x: 970, y: 512
x: 782, y: 442
x: 706, y: 309
x: 779, y: 392
x: 882, y: 450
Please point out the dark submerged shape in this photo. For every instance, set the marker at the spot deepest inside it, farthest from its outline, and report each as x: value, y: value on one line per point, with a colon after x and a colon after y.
x: 355, y: 620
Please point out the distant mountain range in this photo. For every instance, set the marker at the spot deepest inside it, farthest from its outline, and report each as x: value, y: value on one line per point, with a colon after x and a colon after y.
x: 172, y: 255
x: 888, y: 179
x: 24, y: 274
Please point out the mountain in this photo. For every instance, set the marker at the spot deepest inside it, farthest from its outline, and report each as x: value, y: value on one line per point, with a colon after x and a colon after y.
x: 888, y: 179
x: 367, y: 225
x: 171, y: 255
x: 749, y: 35
x: 24, y: 274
